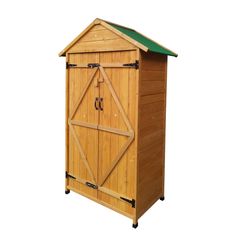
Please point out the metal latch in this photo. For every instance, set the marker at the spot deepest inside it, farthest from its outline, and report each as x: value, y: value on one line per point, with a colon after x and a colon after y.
x: 132, y: 202
x: 91, y: 185
x: 92, y: 65
x: 134, y: 65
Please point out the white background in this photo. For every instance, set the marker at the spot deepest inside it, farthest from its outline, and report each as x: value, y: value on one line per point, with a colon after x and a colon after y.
x: 201, y: 117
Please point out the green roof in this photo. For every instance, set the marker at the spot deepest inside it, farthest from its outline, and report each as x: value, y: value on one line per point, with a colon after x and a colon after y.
x: 151, y: 45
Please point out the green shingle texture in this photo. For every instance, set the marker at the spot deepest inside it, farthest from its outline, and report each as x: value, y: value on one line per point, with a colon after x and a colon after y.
x: 152, y: 46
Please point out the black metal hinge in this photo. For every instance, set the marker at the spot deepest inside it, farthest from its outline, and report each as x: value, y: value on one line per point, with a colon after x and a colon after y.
x: 132, y: 202
x: 68, y: 65
x: 92, y: 65
x: 134, y: 65
x: 69, y: 176
x: 91, y: 185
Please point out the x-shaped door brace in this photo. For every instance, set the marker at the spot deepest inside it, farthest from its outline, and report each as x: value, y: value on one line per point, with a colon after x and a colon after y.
x: 129, y: 133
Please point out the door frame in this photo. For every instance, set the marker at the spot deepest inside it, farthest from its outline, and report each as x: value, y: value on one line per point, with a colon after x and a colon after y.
x: 70, y: 123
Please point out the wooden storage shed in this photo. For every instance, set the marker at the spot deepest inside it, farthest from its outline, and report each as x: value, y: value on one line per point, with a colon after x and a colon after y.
x: 115, y: 117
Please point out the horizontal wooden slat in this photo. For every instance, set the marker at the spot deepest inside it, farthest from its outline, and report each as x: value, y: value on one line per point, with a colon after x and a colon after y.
x: 98, y: 35
x: 152, y: 107
x: 97, y: 46
x: 84, y: 124
x: 146, y: 99
x: 147, y: 151
x: 152, y: 74
x: 154, y: 121
x: 104, y: 50
x: 97, y: 27
x: 154, y: 137
x: 106, y: 65
x: 153, y: 159
x: 149, y: 118
x: 157, y: 125
x: 101, y: 127
x: 152, y: 87
x: 153, y: 61
x: 150, y: 147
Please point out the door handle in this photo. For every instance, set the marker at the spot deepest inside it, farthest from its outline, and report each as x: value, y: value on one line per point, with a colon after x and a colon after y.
x: 101, y: 104
x: 96, y: 102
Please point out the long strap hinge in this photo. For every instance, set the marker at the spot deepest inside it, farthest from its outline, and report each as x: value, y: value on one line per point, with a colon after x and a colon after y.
x: 68, y: 65
x: 69, y: 176
x: 134, y: 65
x: 132, y: 202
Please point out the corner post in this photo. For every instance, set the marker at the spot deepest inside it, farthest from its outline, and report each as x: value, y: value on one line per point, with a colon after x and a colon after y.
x: 66, y: 126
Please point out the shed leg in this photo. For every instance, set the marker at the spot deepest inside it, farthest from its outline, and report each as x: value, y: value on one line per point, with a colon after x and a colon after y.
x: 162, y: 198
x: 67, y: 191
x: 135, y: 223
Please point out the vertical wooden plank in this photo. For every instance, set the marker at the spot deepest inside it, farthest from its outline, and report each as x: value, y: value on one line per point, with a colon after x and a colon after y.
x: 92, y: 118
x: 76, y: 93
x: 105, y: 140
x: 71, y: 100
x: 66, y: 123
x: 82, y: 116
x: 164, y: 125
x: 114, y: 121
x: 136, y: 141
x: 131, y: 153
x: 123, y: 96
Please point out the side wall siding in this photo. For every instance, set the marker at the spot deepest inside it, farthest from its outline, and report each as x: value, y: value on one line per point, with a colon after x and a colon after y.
x: 151, y: 147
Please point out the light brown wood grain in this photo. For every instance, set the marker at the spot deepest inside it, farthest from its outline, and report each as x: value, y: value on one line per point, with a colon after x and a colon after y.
x: 97, y: 27
x: 98, y: 35
x: 99, y: 46
x: 100, y: 201
x: 152, y: 98
x: 164, y: 136
x: 152, y: 87
x: 124, y: 36
x: 120, y: 149
x: 66, y: 124
x: 65, y: 50
x: 151, y: 130
x: 157, y: 75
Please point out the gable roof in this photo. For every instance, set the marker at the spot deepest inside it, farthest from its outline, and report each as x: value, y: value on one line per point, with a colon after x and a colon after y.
x: 130, y: 35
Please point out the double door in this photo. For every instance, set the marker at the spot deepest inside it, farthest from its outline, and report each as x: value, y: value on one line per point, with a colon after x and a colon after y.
x: 101, y: 121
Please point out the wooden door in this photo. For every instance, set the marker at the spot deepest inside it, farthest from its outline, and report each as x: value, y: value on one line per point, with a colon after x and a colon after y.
x: 116, y: 164
x: 102, y: 120
x: 82, y: 116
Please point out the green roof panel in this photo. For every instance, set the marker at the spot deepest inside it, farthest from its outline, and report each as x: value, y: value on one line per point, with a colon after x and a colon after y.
x: 152, y: 46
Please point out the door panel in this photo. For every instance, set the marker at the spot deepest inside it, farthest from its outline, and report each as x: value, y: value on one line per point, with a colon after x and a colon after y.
x: 123, y: 81
x: 83, y: 112
x: 102, y: 148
